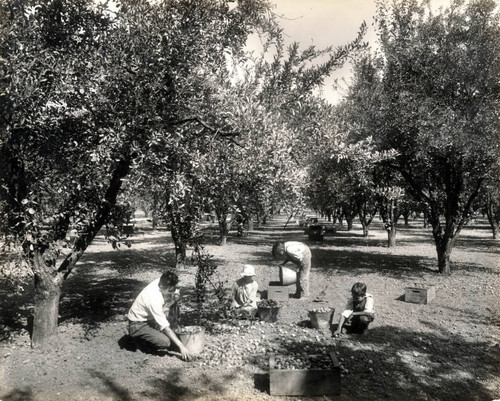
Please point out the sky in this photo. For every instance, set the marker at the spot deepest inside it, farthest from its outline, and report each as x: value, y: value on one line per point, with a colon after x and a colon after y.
x: 329, y: 23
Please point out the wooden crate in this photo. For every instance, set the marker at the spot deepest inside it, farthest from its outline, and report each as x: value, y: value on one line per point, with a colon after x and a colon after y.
x: 277, y: 291
x: 128, y: 229
x: 420, y: 295
x: 304, y: 381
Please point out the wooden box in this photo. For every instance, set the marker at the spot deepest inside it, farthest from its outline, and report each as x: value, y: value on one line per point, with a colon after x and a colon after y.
x: 128, y: 229
x: 313, y: 382
x: 420, y: 295
x: 277, y: 292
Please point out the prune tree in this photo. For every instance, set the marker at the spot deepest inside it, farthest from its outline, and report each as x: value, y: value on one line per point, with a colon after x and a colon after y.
x: 86, y: 94
x: 489, y: 199
x: 274, y: 103
x: 439, y: 106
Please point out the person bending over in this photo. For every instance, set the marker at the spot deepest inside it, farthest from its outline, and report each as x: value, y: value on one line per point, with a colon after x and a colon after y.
x: 300, y: 255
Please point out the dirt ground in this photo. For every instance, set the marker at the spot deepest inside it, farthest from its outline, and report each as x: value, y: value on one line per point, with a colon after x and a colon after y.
x: 446, y: 350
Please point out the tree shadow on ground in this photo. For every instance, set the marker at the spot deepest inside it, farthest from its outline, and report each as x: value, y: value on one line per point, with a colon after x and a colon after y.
x: 473, y: 267
x: 472, y: 317
x: 15, y: 309
x: 98, y: 301
x: 328, y: 261
x: 408, y: 365
x: 172, y: 387
x: 349, y: 239
x: 18, y: 395
x: 130, y: 260
x: 114, y: 390
x: 474, y: 244
x: 86, y: 298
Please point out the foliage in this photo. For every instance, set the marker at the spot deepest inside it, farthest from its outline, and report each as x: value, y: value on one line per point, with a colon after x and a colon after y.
x: 206, y: 278
x: 440, y: 105
x: 91, y: 94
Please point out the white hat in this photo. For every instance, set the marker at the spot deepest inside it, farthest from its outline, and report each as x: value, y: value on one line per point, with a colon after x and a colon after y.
x: 248, y: 270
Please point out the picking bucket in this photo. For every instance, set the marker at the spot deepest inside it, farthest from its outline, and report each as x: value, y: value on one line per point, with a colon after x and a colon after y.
x: 321, y: 320
x: 287, y: 276
x: 193, y: 338
x: 267, y: 314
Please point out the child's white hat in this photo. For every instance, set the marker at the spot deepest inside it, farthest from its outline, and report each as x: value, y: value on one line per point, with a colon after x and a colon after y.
x: 248, y: 270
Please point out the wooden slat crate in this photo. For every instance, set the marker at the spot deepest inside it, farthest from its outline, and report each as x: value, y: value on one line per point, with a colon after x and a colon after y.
x: 420, y: 295
x: 277, y: 292
x: 312, y: 382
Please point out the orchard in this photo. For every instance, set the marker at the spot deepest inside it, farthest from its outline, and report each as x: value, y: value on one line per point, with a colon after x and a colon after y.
x: 143, y: 137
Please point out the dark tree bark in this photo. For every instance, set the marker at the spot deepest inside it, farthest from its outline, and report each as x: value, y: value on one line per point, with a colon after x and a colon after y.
x: 493, y: 214
x: 49, y: 283
x: 366, y: 213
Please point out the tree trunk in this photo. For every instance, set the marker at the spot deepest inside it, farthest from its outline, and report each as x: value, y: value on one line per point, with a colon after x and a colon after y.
x: 495, y: 228
x: 349, y: 221
x: 365, y: 230
x: 365, y: 217
x: 290, y: 218
x: 45, y: 315
x: 154, y: 220
x: 493, y: 214
x: 180, y: 253
x: 49, y: 279
x: 223, y: 227
x: 47, y: 295
x: 329, y: 215
x: 391, y: 224
x: 341, y: 219
x: 391, y: 236
x: 406, y: 217
x: 443, y: 248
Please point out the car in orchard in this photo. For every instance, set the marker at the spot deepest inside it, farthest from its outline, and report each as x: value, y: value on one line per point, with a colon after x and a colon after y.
x: 308, y: 220
x: 313, y: 228
x: 315, y: 232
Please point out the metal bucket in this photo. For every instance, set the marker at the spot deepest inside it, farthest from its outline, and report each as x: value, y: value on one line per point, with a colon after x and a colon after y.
x: 193, y: 338
x: 321, y: 320
x: 267, y: 314
x: 287, y: 276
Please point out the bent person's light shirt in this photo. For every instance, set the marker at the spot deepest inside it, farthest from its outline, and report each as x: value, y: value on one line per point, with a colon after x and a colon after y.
x: 349, y: 309
x: 295, y: 249
x: 149, y: 306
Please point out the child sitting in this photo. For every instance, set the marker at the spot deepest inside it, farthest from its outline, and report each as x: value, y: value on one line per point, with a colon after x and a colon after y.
x: 244, y: 293
x: 358, y: 313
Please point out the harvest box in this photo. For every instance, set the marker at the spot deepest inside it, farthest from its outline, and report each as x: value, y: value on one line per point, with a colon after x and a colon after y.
x: 277, y: 292
x: 304, y: 381
x: 420, y: 295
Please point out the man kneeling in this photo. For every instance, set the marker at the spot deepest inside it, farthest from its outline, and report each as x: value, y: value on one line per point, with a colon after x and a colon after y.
x: 147, y: 321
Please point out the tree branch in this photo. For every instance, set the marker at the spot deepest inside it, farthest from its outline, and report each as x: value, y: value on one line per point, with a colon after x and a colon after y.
x: 207, y: 126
